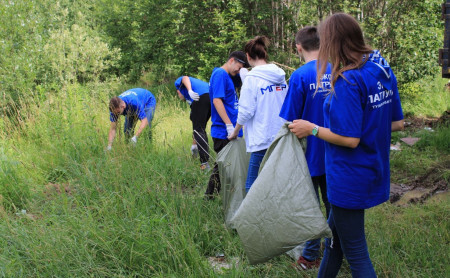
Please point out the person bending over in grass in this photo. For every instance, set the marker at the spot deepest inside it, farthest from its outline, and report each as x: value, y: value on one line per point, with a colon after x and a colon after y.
x: 361, y: 110
x: 196, y: 93
x: 134, y: 104
x: 303, y: 101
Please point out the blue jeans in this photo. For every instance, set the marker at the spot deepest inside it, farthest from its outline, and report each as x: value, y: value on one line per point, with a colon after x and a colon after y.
x: 253, y: 168
x: 348, y: 239
x: 311, y: 250
x: 131, y: 120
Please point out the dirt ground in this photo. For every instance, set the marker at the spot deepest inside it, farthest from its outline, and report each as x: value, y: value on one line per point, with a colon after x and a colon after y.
x: 431, y: 184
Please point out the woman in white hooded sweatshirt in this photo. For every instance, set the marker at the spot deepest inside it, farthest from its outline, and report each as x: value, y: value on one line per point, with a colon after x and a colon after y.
x: 260, y: 102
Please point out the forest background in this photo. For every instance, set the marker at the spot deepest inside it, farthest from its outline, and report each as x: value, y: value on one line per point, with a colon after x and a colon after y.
x: 48, y: 44
x: 68, y: 208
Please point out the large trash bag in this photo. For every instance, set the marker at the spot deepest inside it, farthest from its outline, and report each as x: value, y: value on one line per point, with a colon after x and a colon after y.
x: 281, y: 209
x: 233, y: 167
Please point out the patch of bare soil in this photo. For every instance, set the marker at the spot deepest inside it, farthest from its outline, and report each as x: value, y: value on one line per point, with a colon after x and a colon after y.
x: 432, y: 182
x: 417, y: 123
x: 420, y: 189
x: 55, y: 189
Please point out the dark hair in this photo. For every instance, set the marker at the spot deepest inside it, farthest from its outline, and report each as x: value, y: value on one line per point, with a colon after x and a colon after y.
x: 114, y: 103
x: 257, y: 48
x: 342, y: 44
x: 308, y: 38
x: 240, y: 57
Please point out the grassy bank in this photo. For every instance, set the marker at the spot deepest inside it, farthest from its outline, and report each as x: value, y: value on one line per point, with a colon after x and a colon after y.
x: 71, y: 209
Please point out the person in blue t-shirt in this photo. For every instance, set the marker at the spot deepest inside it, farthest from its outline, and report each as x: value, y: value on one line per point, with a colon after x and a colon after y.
x: 224, y: 110
x: 304, y: 100
x: 134, y: 104
x: 196, y: 93
x: 361, y: 111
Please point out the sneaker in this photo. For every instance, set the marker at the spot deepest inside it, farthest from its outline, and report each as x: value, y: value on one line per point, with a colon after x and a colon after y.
x: 205, y: 166
x: 304, y: 264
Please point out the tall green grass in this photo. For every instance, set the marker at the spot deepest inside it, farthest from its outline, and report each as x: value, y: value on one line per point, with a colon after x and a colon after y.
x: 71, y: 209
x: 427, y: 97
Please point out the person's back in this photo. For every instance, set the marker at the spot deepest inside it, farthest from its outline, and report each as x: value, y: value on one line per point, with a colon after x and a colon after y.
x: 262, y: 96
x: 375, y: 84
x: 304, y: 101
x: 352, y: 129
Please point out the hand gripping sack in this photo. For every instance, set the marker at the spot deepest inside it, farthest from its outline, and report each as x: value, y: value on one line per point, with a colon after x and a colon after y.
x: 233, y: 167
x: 281, y: 209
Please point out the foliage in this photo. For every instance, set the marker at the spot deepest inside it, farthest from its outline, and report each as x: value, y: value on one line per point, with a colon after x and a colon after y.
x: 69, y: 208
x: 76, y: 56
x: 426, y: 97
x: 46, y: 44
x: 409, y: 37
x: 139, y: 211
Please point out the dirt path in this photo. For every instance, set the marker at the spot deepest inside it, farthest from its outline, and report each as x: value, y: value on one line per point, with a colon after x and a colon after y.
x: 432, y: 183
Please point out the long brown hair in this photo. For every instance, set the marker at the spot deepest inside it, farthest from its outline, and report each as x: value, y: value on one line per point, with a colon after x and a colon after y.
x: 342, y: 44
x: 257, y: 48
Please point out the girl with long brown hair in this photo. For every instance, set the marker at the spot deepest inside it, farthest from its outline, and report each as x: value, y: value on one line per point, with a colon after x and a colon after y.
x: 361, y: 110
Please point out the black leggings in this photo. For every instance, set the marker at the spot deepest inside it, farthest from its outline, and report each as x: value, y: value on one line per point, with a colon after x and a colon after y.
x: 200, y: 114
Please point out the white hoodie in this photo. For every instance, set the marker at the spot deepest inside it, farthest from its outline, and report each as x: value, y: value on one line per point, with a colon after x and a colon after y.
x: 262, y: 95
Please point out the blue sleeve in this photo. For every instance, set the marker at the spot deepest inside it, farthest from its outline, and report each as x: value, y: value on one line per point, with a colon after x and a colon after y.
x: 293, y: 103
x: 218, y: 85
x: 346, y: 111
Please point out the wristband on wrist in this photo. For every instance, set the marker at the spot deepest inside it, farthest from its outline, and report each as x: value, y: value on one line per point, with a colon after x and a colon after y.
x: 315, y: 131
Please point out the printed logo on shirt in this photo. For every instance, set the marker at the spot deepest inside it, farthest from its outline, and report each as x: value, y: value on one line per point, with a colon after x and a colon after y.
x: 274, y: 87
x: 325, y: 84
x: 127, y: 93
x: 381, y: 98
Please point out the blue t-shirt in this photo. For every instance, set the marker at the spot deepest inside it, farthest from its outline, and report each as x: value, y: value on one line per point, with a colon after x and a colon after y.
x: 198, y: 86
x: 364, y: 106
x: 136, y: 101
x: 221, y: 86
x: 302, y: 102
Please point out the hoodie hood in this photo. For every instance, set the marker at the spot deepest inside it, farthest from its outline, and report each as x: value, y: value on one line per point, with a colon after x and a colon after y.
x: 269, y: 72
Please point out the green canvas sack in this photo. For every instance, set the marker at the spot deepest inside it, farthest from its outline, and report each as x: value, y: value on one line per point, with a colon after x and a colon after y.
x: 233, y: 167
x: 281, y: 209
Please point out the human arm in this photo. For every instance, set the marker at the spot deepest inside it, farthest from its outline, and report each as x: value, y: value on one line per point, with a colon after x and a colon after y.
x: 243, y: 73
x: 187, y: 83
x: 247, y: 102
x: 144, y: 123
x: 111, y: 134
x: 398, y: 125
x: 302, y: 128
x: 220, y: 108
x: 180, y: 96
x: 235, y: 132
